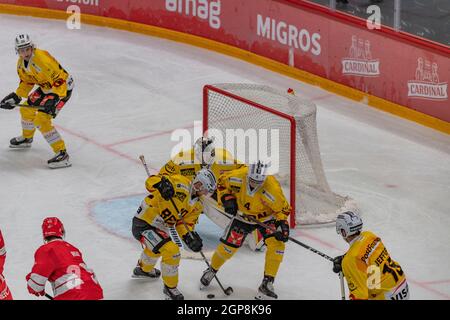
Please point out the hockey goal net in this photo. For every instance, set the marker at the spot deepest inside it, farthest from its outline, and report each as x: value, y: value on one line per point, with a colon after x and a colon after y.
x: 255, y: 107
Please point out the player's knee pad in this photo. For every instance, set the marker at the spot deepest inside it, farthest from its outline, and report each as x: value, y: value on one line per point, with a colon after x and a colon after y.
x: 221, y: 255
x: 170, y: 252
x: 154, y: 239
x: 226, y: 251
x: 275, y: 249
x: 170, y: 262
x: 148, y: 257
x: 274, y: 256
x: 43, y: 122
x: 148, y: 260
x: 28, y: 113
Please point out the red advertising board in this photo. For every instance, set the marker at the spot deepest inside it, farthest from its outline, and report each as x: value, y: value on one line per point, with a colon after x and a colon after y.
x: 374, y: 62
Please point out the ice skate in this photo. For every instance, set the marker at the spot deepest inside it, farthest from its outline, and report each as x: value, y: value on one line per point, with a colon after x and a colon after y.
x: 206, y: 278
x: 138, y: 273
x: 172, y: 293
x: 60, y: 160
x: 266, y: 290
x: 20, y: 142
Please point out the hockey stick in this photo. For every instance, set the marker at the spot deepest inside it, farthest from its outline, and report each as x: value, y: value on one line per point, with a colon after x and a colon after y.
x: 228, y: 290
x: 49, y: 297
x: 341, y: 279
x: 341, y: 276
x: 141, y: 157
x: 251, y: 219
x: 185, y: 254
x: 28, y: 106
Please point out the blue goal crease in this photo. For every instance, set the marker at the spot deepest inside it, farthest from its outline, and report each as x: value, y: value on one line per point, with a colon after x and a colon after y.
x: 115, y: 215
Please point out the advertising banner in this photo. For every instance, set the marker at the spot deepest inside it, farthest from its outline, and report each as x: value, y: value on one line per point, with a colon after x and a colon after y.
x: 392, y: 69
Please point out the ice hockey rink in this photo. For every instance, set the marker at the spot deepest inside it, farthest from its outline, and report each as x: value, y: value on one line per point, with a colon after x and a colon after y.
x: 131, y: 92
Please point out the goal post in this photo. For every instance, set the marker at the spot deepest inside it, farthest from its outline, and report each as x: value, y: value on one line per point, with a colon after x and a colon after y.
x: 300, y: 171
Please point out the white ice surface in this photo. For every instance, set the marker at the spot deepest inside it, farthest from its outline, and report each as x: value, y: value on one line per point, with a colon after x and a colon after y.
x: 131, y: 92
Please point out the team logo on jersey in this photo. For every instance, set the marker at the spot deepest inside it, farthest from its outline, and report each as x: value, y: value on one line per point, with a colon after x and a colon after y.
x: 426, y: 84
x: 351, y: 286
x: 235, y: 238
x: 180, y: 196
x: 360, y: 61
x: 187, y: 172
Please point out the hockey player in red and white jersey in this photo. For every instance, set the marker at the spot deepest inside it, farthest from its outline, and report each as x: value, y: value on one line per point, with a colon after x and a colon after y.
x: 5, y: 294
x: 60, y: 263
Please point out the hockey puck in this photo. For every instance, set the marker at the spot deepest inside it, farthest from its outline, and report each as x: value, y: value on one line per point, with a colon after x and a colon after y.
x: 229, y: 291
x: 211, y: 296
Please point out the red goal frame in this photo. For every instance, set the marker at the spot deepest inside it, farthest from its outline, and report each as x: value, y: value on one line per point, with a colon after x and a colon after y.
x: 293, y: 129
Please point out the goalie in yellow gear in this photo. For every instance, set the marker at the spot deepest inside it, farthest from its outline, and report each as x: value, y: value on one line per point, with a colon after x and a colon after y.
x: 204, y: 154
x: 158, y: 220
x: 370, y: 271
x: 254, y: 193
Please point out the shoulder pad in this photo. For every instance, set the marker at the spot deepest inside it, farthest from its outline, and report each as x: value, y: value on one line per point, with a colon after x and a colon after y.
x: 170, y: 167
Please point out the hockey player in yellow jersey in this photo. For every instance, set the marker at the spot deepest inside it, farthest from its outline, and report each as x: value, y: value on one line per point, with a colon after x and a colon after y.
x: 204, y: 154
x: 157, y: 219
x: 251, y: 191
x: 38, y: 68
x: 370, y: 271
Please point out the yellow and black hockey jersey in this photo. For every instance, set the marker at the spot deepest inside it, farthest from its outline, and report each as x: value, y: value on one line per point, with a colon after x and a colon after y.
x: 262, y: 203
x: 42, y: 70
x: 370, y: 271
x: 162, y: 214
x: 185, y: 164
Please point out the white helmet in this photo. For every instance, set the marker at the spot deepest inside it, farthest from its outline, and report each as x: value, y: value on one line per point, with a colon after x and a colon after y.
x: 205, y: 150
x: 348, y: 224
x: 257, y: 172
x: 23, y: 40
x: 207, y: 180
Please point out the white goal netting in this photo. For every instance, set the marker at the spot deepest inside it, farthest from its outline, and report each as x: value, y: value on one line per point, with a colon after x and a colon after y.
x: 287, y: 124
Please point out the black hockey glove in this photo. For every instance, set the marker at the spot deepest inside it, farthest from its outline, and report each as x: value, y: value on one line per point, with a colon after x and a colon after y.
x: 46, y: 102
x: 229, y: 204
x: 49, y: 103
x: 193, y: 241
x: 165, y: 187
x: 337, y: 264
x: 282, y: 232
x: 9, y: 101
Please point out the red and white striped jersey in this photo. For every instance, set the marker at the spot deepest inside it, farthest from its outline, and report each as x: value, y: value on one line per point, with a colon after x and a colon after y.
x: 2, y: 253
x: 5, y: 294
x: 62, y: 265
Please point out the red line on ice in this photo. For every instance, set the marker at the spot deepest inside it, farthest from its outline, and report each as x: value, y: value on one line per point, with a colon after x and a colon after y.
x: 152, y: 135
